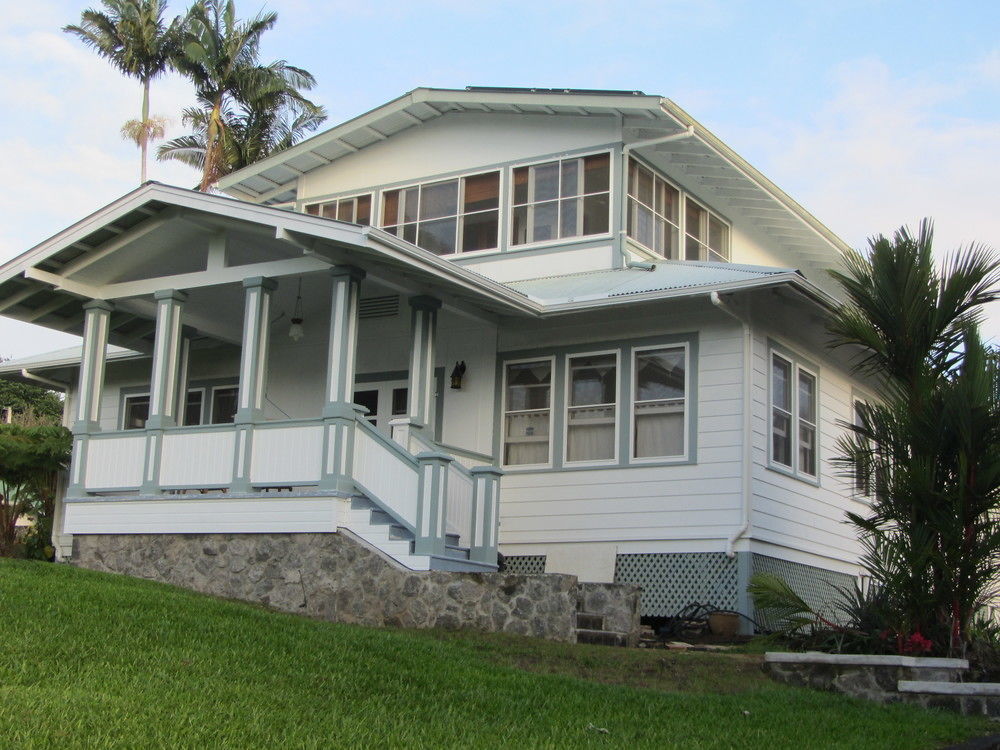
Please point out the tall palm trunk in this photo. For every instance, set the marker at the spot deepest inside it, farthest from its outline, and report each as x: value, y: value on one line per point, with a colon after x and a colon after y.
x: 213, y: 146
x: 144, y: 132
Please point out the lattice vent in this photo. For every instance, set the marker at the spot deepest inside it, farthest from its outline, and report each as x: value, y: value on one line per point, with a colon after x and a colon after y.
x: 378, y: 307
x: 815, y: 585
x: 671, y: 581
x: 524, y: 564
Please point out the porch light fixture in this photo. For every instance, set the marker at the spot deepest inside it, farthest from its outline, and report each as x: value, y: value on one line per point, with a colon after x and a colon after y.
x: 295, y: 332
x: 457, y: 374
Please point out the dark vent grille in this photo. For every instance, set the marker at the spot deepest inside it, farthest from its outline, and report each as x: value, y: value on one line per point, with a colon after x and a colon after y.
x: 379, y: 307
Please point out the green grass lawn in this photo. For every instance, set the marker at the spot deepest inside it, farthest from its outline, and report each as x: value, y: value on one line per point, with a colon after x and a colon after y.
x: 93, y: 660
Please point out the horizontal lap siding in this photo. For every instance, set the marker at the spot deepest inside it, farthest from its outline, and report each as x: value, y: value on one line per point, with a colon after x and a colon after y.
x: 789, y: 512
x: 640, y: 503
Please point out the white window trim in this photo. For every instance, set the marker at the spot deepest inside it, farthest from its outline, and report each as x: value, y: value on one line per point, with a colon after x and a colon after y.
x: 459, y: 225
x: 796, y: 367
x: 530, y: 203
x: 201, y: 418
x: 708, y: 250
x: 503, y: 413
x: 633, y: 390
x: 124, y: 410
x: 211, y: 400
x: 337, y: 200
x: 567, y: 387
x: 684, y: 196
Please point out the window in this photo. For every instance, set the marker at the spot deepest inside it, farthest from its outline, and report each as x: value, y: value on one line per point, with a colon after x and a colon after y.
x: 706, y: 237
x: 863, y: 479
x: 653, y: 211
x: 527, y: 412
x: 448, y: 216
x: 560, y: 199
x: 793, y: 416
x: 224, y: 404
x: 193, y: 407
x: 591, y: 407
x: 659, y: 395
x: 357, y: 210
x: 135, y: 412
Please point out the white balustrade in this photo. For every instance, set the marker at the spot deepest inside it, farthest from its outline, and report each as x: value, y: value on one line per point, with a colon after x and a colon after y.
x: 115, y: 462
x: 197, y: 459
x: 385, y: 472
x: 287, y: 455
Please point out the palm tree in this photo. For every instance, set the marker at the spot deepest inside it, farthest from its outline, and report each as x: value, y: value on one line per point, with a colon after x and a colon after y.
x: 928, y: 451
x: 132, y: 36
x: 250, y: 133
x: 220, y: 55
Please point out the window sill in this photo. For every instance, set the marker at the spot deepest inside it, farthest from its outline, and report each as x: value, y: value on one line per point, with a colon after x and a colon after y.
x: 804, y: 478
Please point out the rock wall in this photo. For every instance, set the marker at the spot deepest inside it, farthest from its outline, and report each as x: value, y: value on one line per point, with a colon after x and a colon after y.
x: 340, y: 578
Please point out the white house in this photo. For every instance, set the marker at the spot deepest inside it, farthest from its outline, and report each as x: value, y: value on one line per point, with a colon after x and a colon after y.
x: 570, y: 325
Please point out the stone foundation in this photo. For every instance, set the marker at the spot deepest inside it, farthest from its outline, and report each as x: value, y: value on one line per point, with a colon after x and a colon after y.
x: 337, y: 577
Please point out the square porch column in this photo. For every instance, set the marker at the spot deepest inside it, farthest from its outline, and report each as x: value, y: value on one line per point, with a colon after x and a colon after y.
x: 90, y: 383
x: 167, y: 355
x: 339, y: 413
x: 422, y: 353
x: 253, y: 375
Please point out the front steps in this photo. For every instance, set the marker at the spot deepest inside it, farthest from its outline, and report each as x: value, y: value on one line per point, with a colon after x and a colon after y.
x: 374, y: 525
x: 590, y: 628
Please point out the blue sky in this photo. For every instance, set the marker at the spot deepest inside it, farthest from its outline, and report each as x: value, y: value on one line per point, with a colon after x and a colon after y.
x: 870, y: 114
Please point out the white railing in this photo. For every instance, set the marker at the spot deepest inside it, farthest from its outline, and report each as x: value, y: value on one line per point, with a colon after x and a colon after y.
x: 197, y: 459
x: 385, y: 472
x: 115, y: 462
x: 286, y: 454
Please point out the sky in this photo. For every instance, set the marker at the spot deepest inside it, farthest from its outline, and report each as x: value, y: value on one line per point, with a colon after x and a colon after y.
x: 870, y: 114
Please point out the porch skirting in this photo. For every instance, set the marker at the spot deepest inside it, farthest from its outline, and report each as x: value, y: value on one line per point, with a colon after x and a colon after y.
x: 337, y: 577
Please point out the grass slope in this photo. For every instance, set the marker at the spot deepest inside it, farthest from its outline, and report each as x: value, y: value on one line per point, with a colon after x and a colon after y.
x: 93, y: 660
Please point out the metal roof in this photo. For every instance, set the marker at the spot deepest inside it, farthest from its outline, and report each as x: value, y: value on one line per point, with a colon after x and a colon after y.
x: 670, y: 276
x: 68, y: 357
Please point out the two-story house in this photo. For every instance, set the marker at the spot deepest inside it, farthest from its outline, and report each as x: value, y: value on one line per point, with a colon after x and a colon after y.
x: 570, y: 325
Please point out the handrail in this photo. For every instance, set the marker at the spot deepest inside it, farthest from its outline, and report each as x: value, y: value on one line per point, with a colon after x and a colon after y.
x: 475, y: 455
x: 393, y: 446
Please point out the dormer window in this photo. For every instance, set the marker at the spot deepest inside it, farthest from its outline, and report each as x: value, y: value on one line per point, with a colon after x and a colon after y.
x: 357, y: 210
x: 460, y: 215
x: 561, y: 199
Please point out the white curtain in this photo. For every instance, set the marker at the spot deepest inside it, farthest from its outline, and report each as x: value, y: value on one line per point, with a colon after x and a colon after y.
x: 658, y: 432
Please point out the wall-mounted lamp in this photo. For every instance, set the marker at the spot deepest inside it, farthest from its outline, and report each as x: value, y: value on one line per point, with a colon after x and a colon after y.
x: 457, y: 374
x: 295, y: 331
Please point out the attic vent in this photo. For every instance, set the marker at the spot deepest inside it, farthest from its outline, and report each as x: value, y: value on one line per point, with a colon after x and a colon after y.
x: 379, y: 307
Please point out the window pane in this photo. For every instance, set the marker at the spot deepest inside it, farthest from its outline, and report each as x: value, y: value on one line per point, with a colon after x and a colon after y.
x: 411, y: 197
x: 482, y: 192
x: 807, y: 397
x: 519, y: 231
x: 479, y: 231
x: 369, y: 400
x: 593, y: 380
x: 807, y: 449
x: 545, y: 223
x: 644, y: 186
x: 313, y: 209
x: 659, y: 430
x: 399, y: 397
x: 671, y: 203
x: 596, y: 173
x: 526, y: 438
x: 642, y: 224
x: 528, y: 385
x: 330, y: 210
x: 520, y: 186
x: 440, y: 199
x: 224, y: 403
x: 136, y: 412
x: 192, y: 408
x: 438, y: 236
x: 345, y: 210
x: 570, y: 178
x: 364, y: 210
x: 718, y: 236
x: 781, y: 439
x: 659, y: 374
x: 781, y: 376
x: 595, y: 214
x: 390, y: 208
x: 590, y: 434
x: 410, y: 233
x: 568, y: 218
x: 546, y: 181
x: 693, y: 216
x: 692, y: 249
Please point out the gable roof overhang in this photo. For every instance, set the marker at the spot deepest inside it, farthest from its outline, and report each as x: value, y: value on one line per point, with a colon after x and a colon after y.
x: 653, y: 127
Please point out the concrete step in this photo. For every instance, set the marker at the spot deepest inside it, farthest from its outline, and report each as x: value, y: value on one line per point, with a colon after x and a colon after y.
x: 601, y: 637
x: 588, y: 621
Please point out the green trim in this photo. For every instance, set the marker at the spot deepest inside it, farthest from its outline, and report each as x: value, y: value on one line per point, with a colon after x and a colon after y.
x: 626, y: 349
x: 797, y: 361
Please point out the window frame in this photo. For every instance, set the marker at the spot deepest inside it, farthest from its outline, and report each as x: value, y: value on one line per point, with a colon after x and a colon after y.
x: 132, y: 393
x: 551, y: 359
x: 559, y: 158
x: 633, y: 390
x: 710, y: 213
x: 858, y: 397
x: 566, y: 407
x: 684, y: 196
x: 459, y: 224
x: 351, y: 197
x: 797, y: 365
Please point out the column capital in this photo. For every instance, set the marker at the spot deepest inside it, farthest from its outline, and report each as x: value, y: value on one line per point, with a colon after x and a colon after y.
x: 260, y: 281
x: 352, y: 272
x: 493, y: 471
x: 174, y: 294
x: 99, y: 304
x: 425, y: 302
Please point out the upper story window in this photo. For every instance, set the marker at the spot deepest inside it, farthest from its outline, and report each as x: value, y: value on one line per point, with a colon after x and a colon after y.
x: 560, y: 199
x: 659, y: 215
x: 357, y: 210
x: 459, y: 215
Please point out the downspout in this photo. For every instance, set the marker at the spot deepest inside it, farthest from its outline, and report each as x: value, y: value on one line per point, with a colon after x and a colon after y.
x: 55, y: 385
x: 626, y: 150
x: 747, y: 422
